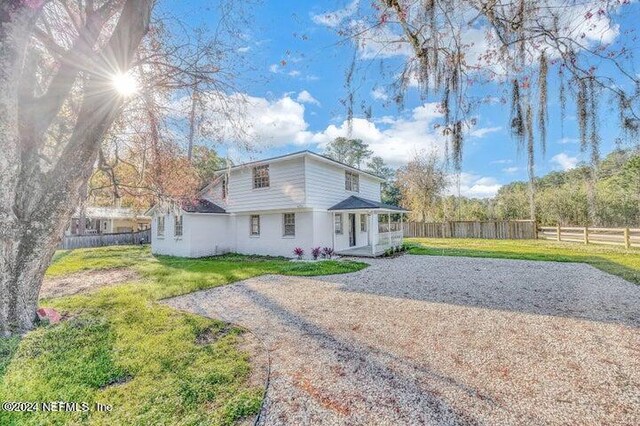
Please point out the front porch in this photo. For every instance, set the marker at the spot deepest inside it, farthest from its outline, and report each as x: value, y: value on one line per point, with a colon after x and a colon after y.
x: 366, y: 228
x: 385, y: 241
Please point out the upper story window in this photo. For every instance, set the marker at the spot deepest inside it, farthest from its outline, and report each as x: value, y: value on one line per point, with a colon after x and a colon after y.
x: 160, y: 226
x: 177, y: 226
x: 254, y: 225
x: 289, y: 224
x: 351, y: 182
x: 225, y: 186
x: 261, y: 176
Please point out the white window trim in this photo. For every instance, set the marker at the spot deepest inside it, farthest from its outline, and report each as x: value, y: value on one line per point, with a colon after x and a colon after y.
x: 341, y: 230
x: 284, y: 227
x: 175, y: 227
x: 158, y: 234
x: 253, y: 177
x: 251, y: 234
x: 225, y: 186
x: 357, y: 179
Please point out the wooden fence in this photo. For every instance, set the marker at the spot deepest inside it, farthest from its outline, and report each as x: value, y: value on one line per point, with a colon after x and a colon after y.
x: 491, y: 229
x: 628, y: 237
x: 100, y: 240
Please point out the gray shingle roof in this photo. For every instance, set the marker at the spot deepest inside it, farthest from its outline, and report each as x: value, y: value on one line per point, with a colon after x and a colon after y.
x: 201, y: 206
x: 357, y: 203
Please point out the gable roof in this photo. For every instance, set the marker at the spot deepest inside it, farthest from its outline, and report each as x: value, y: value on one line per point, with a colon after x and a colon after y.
x: 201, y: 206
x: 357, y: 203
x: 301, y: 154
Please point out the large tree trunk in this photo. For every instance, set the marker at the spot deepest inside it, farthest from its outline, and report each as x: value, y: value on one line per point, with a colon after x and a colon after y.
x: 36, y: 204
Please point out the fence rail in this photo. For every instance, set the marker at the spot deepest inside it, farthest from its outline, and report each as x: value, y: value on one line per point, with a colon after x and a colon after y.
x: 491, y: 229
x: 100, y: 240
x: 628, y: 237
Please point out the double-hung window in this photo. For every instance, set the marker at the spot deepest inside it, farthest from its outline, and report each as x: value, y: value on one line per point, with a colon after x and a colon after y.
x: 160, y: 226
x: 289, y: 224
x: 351, y: 182
x: 177, y: 226
x: 338, y: 223
x: 254, y: 223
x: 261, y: 176
x: 363, y: 223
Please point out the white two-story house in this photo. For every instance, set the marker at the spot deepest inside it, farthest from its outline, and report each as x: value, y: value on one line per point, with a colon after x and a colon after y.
x: 272, y: 206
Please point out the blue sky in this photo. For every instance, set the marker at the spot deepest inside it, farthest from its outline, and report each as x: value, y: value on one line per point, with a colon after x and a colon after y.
x: 296, y: 81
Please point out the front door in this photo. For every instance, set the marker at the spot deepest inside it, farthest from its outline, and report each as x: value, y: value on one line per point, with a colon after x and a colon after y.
x: 352, y: 229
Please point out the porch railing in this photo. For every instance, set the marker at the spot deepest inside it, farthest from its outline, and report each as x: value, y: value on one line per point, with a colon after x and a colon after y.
x: 384, y: 227
x: 388, y: 239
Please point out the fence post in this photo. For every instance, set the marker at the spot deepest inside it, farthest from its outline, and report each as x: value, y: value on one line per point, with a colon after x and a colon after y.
x: 558, y: 238
x: 586, y: 235
x: 627, y: 238
x: 535, y: 229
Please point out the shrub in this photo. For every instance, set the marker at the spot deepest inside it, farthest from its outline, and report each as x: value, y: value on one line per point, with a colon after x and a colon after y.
x: 315, y: 252
x: 298, y: 251
x: 327, y: 252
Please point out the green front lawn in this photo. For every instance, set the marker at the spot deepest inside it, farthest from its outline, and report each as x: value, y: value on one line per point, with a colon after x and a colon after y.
x: 119, y: 346
x: 611, y: 259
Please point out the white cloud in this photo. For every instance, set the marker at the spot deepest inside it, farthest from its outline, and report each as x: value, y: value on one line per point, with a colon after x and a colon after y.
x: 379, y: 94
x: 483, y: 131
x: 244, y: 49
x: 564, y: 161
x: 274, y: 68
x: 474, y: 186
x: 259, y: 121
x: 396, y: 140
x: 565, y: 141
x: 335, y: 18
x: 306, y: 98
x: 510, y: 169
x: 507, y: 161
x: 294, y: 73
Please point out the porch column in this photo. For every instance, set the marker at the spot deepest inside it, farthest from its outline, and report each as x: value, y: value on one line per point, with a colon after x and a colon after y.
x: 402, y: 226
x: 333, y: 226
x: 371, y: 236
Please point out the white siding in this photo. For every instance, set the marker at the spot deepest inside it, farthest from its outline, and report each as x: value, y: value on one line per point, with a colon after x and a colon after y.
x: 325, y: 185
x: 214, y: 194
x: 168, y: 244
x: 209, y: 234
x: 285, y: 191
x: 202, y: 235
x: 271, y: 241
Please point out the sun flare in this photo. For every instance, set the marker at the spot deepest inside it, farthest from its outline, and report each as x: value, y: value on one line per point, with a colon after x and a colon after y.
x: 125, y: 84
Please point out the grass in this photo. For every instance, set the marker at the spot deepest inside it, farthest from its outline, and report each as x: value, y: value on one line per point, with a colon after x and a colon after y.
x: 119, y: 346
x: 614, y: 260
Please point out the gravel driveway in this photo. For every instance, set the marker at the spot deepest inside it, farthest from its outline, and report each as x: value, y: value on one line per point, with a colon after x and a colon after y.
x: 443, y: 340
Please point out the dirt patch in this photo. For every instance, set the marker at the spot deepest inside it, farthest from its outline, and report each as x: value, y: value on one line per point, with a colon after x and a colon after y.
x: 210, y: 335
x: 118, y: 381
x: 83, y: 282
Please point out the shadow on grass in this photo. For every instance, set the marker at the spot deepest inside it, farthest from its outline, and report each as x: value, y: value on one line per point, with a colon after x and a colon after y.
x: 8, y: 348
x: 604, y: 264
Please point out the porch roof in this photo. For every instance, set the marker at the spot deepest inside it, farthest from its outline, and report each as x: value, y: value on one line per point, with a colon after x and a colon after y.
x: 357, y: 203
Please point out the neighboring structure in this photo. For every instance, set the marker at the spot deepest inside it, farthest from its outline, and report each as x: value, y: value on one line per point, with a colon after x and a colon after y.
x: 272, y: 206
x: 107, y: 220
